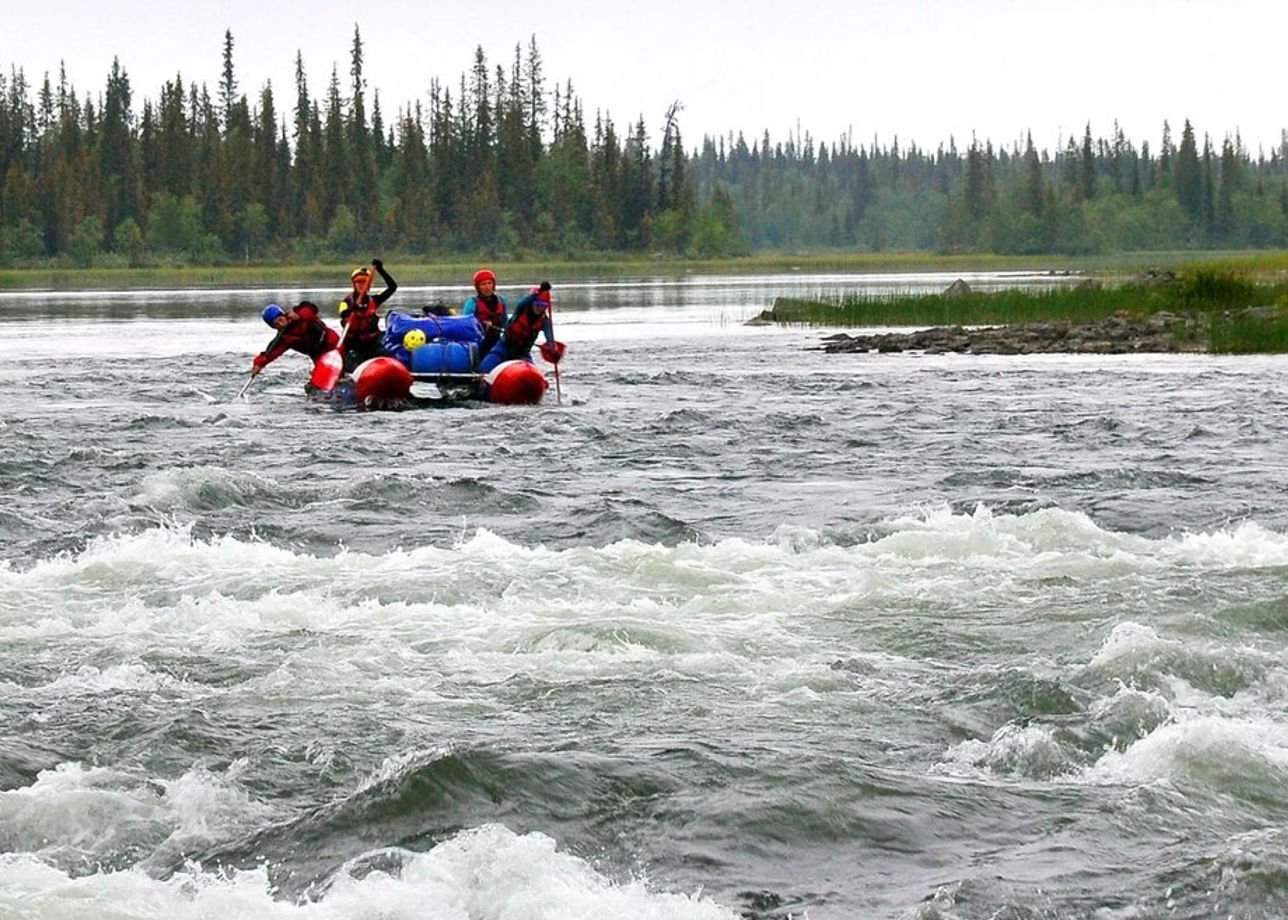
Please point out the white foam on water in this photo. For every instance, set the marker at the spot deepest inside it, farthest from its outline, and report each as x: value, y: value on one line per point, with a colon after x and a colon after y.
x: 755, y: 619
x: 91, y: 810
x: 1222, y: 753
x: 96, y: 811
x: 496, y: 606
x: 487, y: 871
x: 1247, y: 545
x: 1129, y: 641
x: 940, y: 542
x: 188, y: 487
x: 90, y: 680
x: 207, y: 806
x: 1029, y: 751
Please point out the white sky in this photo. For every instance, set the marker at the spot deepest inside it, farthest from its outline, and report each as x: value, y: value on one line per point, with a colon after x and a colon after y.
x: 918, y: 70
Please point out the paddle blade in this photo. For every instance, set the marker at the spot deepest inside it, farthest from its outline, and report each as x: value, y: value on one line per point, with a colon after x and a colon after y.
x: 327, y: 370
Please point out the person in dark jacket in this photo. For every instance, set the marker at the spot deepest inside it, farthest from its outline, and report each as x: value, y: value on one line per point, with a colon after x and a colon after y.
x: 531, y: 318
x: 298, y: 329
x: 360, y: 315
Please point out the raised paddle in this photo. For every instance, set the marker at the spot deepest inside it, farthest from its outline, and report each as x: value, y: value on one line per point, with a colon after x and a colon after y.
x: 329, y: 368
x: 364, y: 291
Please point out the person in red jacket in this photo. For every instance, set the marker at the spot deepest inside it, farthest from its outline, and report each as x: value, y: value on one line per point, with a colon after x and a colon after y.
x: 298, y: 329
x: 360, y: 314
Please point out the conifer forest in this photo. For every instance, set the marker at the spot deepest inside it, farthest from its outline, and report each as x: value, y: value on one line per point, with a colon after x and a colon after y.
x: 504, y: 164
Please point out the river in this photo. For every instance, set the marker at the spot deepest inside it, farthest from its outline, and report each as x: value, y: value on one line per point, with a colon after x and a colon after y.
x: 734, y: 628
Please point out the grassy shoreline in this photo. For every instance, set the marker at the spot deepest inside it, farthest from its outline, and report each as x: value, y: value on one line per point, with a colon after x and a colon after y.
x: 1223, y: 311
x: 412, y: 271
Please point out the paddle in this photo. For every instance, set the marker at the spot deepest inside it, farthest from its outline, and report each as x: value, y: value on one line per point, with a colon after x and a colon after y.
x: 552, y: 352
x: 329, y: 368
x: 556, y: 348
x: 245, y: 387
x: 364, y: 291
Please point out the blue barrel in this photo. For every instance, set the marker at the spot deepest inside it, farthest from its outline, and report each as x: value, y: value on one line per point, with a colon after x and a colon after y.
x: 443, y: 358
x: 447, y: 328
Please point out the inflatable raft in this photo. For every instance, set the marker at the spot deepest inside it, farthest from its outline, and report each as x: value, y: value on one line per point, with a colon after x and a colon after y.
x: 440, y: 350
x: 444, y: 351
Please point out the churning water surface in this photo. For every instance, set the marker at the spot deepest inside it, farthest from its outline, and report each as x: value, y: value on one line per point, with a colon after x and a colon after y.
x: 738, y: 629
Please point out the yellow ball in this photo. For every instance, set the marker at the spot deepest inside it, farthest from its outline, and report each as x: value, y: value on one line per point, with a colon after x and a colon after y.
x: 413, y: 339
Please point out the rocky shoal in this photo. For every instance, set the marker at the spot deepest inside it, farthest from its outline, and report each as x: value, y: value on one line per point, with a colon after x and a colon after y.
x: 1161, y: 332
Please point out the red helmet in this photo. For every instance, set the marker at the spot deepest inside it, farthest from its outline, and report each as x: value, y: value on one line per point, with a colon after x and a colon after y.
x: 483, y: 274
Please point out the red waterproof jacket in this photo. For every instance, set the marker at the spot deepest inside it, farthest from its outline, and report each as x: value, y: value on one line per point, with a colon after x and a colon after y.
x: 306, y: 334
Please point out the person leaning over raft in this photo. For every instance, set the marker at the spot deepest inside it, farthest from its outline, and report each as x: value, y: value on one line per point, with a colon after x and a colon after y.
x: 488, y: 307
x: 531, y: 317
x: 360, y: 314
x: 300, y: 329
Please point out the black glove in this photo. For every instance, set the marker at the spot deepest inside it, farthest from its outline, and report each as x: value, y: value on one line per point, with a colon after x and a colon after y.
x: 544, y: 286
x: 378, y: 264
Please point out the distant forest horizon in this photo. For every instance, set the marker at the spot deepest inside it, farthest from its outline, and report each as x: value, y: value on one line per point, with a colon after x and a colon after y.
x: 502, y: 165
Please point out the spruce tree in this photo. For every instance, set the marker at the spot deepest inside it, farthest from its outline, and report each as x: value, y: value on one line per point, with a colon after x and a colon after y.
x: 1187, y: 175
x: 117, y: 156
x: 227, y: 82
x: 362, y: 146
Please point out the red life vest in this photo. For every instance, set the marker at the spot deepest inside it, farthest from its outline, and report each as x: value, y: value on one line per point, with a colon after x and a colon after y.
x: 524, y: 327
x: 362, y: 319
x: 489, y: 314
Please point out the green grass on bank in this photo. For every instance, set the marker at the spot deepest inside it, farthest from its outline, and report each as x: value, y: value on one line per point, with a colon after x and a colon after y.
x: 1202, y: 291
x: 1249, y: 335
x: 415, y: 271
x: 1229, y: 312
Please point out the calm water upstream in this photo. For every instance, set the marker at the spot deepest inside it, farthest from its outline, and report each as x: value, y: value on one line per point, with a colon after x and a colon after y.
x: 739, y: 630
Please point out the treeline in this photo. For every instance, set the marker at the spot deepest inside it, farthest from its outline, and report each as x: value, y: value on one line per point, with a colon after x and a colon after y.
x: 500, y: 164
x: 1091, y: 196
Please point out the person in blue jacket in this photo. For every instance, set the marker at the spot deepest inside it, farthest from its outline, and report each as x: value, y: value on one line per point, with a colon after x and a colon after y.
x: 531, y: 318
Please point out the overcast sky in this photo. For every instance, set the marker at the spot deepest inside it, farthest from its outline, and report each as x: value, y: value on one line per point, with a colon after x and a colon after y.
x: 918, y: 70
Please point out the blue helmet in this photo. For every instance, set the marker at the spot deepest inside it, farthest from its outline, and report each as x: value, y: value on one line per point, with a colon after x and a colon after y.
x: 272, y: 313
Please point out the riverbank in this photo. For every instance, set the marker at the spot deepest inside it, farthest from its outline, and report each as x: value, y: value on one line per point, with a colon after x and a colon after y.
x: 1161, y: 332
x: 414, y: 270
x: 1199, y: 310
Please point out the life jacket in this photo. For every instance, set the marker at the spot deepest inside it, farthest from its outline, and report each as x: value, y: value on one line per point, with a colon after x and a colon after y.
x: 489, y: 314
x: 524, y: 327
x: 362, y: 318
